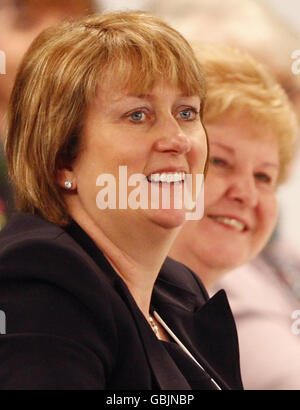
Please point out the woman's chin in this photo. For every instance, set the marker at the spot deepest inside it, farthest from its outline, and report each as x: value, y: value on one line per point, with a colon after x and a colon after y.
x: 231, y: 260
x: 167, y: 218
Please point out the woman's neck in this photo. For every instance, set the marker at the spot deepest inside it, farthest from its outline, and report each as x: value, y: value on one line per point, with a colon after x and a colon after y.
x: 135, y: 254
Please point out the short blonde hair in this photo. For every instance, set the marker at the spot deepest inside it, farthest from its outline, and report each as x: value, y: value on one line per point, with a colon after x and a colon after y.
x: 237, y: 85
x: 58, y: 79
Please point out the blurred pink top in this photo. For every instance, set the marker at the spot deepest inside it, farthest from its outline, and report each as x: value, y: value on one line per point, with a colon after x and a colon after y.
x: 262, y: 306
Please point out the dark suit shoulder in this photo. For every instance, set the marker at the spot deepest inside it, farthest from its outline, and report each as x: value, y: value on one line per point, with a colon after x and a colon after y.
x: 22, y: 225
x: 32, y: 248
x: 50, y: 287
x: 179, y: 275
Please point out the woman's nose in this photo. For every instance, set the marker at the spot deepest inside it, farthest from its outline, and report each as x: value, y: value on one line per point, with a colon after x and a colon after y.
x: 171, y: 138
x: 243, y: 189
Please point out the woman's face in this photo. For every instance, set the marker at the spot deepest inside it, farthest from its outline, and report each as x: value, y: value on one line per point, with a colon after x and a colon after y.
x: 240, y: 202
x: 160, y: 132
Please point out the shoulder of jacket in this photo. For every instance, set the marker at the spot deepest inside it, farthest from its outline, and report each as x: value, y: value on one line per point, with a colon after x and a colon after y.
x: 182, y: 277
x: 46, y: 253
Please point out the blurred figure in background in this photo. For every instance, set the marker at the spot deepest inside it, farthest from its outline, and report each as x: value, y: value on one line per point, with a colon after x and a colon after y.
x: 252, y: 131
x: 20, y: 22
x: 263, y: 294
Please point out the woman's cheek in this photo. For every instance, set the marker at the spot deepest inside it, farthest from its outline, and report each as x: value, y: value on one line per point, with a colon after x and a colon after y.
x: 213, y: 188
x: 270, y: 210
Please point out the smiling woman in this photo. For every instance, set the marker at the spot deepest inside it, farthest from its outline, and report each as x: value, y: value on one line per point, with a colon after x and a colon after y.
x: 96, y: 295
x: 252, y: 131
x: 150, y: 135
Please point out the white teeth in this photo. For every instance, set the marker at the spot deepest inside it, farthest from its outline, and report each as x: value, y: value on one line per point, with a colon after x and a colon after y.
x: 167, y: 177
x: 230, y: 221
x: 154, y: 177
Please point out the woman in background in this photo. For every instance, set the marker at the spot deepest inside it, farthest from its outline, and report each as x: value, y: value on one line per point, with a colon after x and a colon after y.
x: 252, y: 130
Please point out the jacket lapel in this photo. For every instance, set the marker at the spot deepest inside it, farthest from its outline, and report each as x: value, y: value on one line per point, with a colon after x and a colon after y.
x: 216, y: 333
x: 206, y: 329
x: 166, y: 373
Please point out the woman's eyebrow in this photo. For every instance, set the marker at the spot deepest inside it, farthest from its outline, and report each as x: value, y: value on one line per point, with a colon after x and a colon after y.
x: 149, y: 96
x: 231, y: 150
x: 271, y: 164
x: 226, y: 147
x: 128, y: 98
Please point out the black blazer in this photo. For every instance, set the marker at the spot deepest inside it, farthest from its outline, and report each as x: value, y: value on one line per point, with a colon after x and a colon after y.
x: 72, y: 323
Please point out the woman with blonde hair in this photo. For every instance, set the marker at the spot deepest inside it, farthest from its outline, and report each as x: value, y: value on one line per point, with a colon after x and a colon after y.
x: 84, y: 285
x: 253, y: 131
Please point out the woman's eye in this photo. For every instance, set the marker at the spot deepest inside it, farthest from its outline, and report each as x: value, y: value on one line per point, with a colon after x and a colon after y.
x: 188, y: 114
x: 137, y: 116
x: 261, y: 176
x: 218, y: 161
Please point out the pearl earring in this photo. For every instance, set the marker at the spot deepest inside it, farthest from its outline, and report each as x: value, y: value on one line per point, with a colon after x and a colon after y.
x: 68, y: 184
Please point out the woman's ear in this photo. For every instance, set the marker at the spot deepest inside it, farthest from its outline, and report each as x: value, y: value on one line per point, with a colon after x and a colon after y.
x: 66, y: 179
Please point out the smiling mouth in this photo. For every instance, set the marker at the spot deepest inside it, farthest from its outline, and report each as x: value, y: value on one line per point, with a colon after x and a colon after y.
x: 167, y: 177
x: 230, y: 222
